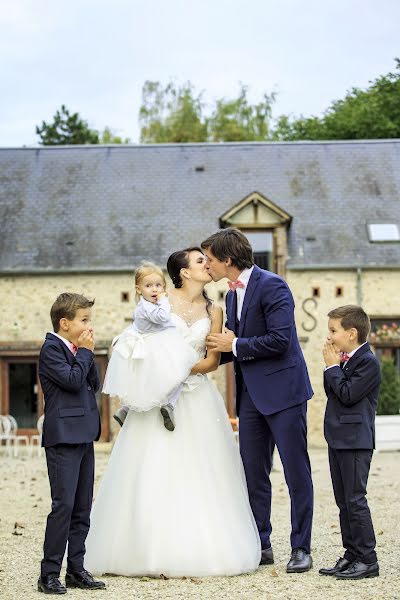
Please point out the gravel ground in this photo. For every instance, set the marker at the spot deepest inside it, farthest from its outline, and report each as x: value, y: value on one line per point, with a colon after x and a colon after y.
x: 25, y: 502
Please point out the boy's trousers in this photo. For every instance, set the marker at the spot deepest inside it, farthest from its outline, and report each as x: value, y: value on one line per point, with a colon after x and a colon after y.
x: 71, y: 473
x: 349, y: 472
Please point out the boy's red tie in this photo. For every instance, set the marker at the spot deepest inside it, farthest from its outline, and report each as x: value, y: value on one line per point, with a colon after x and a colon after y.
x: 74, y: 348
x: 344, y: 357
x: 233, y: 285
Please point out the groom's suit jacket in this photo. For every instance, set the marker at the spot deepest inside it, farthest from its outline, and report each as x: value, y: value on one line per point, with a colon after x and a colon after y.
x: 269, y: 359
x: 69, y: 384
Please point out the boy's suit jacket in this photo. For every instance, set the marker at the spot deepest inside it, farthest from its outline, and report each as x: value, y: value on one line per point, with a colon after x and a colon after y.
x: 69, y: 384
x: 271, y: 361
x: 352, y: 400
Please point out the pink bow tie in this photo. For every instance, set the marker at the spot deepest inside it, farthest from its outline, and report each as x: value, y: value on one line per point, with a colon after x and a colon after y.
x: 233, y: 285
x: 344, y: 357
x: 74, y: 348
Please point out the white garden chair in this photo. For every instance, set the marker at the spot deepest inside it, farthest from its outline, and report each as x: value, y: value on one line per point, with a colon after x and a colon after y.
x: 5, y: 433
x: 17, y: 438
x: 37, y: 437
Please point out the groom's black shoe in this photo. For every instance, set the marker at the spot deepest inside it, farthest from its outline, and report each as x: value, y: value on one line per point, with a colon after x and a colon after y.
x: 341, y: 565
x: 83, y: 579
x: 300, y: 561
x: 50, y: 584
x: 267, y: 556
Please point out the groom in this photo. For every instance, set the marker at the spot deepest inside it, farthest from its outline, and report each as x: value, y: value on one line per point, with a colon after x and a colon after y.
x: 272, y: 387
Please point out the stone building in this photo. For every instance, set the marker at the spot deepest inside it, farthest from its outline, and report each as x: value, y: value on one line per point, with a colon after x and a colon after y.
x: 324, y: 215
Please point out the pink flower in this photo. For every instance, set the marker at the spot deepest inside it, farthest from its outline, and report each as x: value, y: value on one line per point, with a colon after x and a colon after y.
x: 395, y: 326
x: 384, y: 326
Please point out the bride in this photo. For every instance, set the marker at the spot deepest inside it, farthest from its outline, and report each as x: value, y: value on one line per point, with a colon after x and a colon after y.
x: 176, y: 503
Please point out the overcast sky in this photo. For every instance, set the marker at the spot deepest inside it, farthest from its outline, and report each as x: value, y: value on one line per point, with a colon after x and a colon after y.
x: 94, y: 55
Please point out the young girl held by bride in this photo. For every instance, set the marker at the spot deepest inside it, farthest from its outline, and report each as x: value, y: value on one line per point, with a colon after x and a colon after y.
x: 150, y: 358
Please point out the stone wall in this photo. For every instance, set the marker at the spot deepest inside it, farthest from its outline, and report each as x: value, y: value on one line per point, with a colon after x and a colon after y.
x: 26, y: 301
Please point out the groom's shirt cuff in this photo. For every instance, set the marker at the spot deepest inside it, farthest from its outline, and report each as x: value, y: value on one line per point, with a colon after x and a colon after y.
x: 234, y: 346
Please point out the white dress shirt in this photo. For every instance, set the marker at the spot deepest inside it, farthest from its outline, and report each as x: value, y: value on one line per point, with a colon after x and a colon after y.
x: 240, y: 294
x: 69, y: 344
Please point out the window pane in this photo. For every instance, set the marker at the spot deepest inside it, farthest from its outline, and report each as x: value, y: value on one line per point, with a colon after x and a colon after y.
x: 383, y: 232
x: 23, y: 394
x: 260, y: 240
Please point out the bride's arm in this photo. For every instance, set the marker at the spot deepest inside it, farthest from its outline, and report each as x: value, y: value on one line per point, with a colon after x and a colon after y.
x: 211, y: 361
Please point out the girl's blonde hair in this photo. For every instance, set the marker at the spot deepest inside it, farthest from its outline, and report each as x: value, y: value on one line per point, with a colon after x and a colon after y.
x: 147, y: 268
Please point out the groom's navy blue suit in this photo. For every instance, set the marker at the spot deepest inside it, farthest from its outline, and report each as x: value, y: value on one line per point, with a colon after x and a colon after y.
x: 272, y: 389
x: 71, y: 424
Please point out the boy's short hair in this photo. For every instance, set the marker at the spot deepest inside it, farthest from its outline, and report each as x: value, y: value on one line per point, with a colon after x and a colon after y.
x: 350, y: 316
x: 231, y: 243
x: 66, y: 306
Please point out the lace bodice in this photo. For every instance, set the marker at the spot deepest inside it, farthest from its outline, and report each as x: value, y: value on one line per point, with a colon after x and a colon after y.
x: 195, y: 334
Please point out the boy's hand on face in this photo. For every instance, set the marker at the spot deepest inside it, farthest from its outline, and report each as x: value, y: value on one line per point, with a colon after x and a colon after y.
x: 331, y: 354
x: 161, y: 295
x: 86, y: 340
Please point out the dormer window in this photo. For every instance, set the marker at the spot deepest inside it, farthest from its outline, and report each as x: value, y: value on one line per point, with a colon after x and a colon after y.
x: 265, y: 224
x: 383, y: 232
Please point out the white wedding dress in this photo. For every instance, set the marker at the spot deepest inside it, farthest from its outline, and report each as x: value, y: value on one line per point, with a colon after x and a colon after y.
x: 175, y: 503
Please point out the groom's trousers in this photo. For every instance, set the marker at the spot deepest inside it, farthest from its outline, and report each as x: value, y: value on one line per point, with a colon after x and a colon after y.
x: 258, y: 435
x: 71, y: 473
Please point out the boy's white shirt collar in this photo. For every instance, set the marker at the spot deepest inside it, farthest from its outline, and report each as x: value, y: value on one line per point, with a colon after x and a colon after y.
x: 69, y: 344
x: 355, y: 350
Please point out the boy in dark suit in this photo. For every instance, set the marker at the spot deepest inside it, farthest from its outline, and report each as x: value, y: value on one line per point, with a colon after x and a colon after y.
x: 69, y: 380
x: 351, y: 378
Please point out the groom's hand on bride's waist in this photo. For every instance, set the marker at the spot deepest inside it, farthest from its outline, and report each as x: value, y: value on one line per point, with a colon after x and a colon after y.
x: 222, y: 342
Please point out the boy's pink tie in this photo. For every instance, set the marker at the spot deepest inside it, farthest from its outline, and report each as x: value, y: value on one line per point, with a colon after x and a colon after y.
x: 344, y: 357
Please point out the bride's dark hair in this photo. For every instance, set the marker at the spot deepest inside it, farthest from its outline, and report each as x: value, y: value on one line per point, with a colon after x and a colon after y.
x: 180, y: 260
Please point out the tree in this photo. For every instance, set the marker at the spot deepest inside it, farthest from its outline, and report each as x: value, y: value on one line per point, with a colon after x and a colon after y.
x: 172, y: 114
x: 238, y: 121
x: 389, y: 394
x: 176, y: 114
x: 108, y: 137
x: 373, y: 113
x: 66, y: 129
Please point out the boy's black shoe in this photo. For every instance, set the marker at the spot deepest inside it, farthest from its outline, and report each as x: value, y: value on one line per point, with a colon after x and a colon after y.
x: 83, y: 579
x: 50, y: 584
x: 341, y: 565
x: 120, y: 416
x: 168, y: 416
x: 300, y: 561
x: 359, y: 570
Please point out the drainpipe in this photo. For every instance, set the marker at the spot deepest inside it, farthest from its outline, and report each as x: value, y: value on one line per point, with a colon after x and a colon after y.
x: 359, y: 286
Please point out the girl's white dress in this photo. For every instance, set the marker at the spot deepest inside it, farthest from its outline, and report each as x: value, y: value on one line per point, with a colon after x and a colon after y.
x: 150, y: 359
x: 175, y: 503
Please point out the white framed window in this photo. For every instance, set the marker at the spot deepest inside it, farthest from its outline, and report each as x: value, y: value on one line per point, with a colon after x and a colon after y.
x: 262, y: 242
x: 383, y: 232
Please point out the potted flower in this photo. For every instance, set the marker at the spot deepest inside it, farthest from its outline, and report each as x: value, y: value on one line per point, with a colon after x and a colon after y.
x: 387, y: 423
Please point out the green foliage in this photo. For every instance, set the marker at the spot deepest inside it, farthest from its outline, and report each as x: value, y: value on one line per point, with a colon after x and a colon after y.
x: 176, y: 115
x: 108, y: 137
x: 66, y: 129
x: 373, y: 113
x: 173, y: 115
x: 389, y: 394
x: 238, y: 121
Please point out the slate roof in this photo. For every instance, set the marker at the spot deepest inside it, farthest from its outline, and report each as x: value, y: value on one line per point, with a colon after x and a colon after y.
x: 108, y: 207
